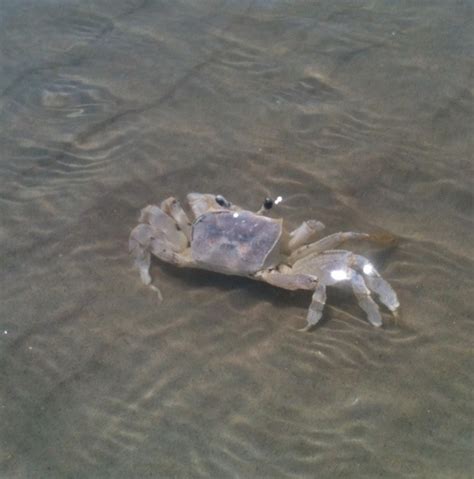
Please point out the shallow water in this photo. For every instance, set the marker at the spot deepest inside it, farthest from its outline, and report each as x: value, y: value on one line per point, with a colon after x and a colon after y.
x: 358, y: 113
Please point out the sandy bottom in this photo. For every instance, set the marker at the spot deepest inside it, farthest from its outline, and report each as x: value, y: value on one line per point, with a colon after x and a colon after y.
x: 358, y: 113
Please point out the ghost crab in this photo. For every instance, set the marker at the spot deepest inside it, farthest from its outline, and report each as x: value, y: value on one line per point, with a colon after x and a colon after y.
x: 228, y: 239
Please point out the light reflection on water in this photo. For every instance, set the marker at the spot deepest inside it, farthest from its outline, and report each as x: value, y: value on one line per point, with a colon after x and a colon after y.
x: 360, y: 116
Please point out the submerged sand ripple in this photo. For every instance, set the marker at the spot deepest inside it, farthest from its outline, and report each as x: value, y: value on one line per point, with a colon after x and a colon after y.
x: 357, y: 117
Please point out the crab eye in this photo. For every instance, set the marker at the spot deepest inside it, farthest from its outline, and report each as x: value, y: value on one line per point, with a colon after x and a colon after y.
x: 268, y: 203
x: 221, y: 201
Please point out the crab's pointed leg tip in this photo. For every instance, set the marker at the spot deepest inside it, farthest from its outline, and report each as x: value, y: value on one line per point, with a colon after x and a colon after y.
x: 307, y: 328
x: 158, y: 292
x: 375, y: 319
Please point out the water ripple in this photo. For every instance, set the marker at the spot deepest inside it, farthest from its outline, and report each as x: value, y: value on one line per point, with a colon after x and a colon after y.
x: 58, y: 106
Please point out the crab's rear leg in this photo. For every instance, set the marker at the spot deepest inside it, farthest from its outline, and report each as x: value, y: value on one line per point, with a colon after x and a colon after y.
x: 328, y: 243
x: 305, y: 233
x: 335, y: 268
x: 376, y: 283
x: 287, y: 280
x: 296, y: 281
x: 364, y: 298
x: 315, y: 311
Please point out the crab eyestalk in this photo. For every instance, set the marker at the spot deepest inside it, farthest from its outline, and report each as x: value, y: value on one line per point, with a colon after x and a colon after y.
x: 268, y: 204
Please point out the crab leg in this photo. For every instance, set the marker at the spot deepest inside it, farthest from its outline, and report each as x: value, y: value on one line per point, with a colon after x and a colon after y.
x: 376, y: 283
x: 288, y: 281
x: 365, y: 300
x: 142, y: 244
x: 172, y: 207
x: 139, y: 237
x: 304, y: 233
x: 300, y: 281
x: 327, y: 243
x: 316, y: 307
x: 337, y: 268
x: 159, y: 234
x: 142, y: 262
x: 163, y: 225
x: 163, y: 250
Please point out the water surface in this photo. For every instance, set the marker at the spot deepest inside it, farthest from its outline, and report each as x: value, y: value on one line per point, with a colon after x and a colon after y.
x: 358, y: 113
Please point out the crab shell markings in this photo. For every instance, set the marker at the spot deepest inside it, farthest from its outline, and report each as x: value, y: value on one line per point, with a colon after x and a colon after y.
x: 236, y: 243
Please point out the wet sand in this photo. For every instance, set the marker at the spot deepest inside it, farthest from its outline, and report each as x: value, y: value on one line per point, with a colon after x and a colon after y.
x: 358, y: 113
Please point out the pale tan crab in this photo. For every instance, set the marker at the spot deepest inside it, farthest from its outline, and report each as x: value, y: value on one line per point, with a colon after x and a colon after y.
x: 227, y: 239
